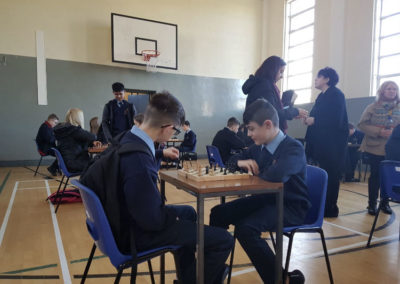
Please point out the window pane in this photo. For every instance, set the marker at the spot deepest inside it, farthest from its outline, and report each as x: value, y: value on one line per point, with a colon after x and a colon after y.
x: 300, y: 66
x: 301, y: 36
x: 300, y: 5
x: 390, y: 45
x: 395, y: 79
x: 389, y: 65
x: 303, y: 96
x: 390, y: 25
x: 301, y: 51
x: 390, y: 7
x: 300, y: 81
x: 302, y: 20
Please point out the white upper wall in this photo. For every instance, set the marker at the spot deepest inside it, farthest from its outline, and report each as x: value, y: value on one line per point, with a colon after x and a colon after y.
x: 215, y: 38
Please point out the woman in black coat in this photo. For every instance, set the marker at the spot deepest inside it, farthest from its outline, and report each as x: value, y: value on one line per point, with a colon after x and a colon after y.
x: 327, y: 133
x: 262, y: 85
x: 73, y: 141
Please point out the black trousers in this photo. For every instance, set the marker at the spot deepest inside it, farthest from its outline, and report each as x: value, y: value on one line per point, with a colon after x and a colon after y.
x: 374, y: 179
x: 218, y: 244
x: 251, y: 216
x: 334, y: 174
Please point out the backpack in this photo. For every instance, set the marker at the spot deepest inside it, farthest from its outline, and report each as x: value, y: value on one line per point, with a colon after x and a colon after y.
x: 69, y: 196
x: 102, y: 175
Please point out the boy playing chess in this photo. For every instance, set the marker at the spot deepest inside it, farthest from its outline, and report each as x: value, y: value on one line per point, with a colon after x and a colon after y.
x: 274, y: 157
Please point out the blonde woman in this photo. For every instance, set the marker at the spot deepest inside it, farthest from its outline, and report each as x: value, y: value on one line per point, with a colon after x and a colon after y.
x: 377, y: 122
x: 73, y: 141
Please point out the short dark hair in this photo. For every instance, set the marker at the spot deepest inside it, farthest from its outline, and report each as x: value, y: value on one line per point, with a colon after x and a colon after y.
x: 164, y: 109
x: 260, y: 111
x: 351, y: 125
x: 287, y: 97
x: 139, y: 118
x: 52, y: 116
x: 118, y: 87
x: 187, y: 123
x: 232, y: 121
x: 270, y: 67
x: 330, y: 73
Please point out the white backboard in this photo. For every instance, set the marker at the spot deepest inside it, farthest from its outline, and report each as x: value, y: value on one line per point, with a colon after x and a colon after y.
x: 131, y: 35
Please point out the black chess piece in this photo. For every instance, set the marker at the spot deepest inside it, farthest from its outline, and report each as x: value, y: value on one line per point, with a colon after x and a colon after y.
x: 224, y: 171
x: 220, y: 169
x: 207, y: 169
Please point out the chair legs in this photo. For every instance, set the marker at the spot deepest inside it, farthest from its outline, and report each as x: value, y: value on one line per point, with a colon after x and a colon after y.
x: 151, y: 272
x: 37, y: 168
x: 62, y: 193
x: 119, y: 274
x: 89, y: 262
x: 328, y: 264
x: 373, y: 226
x: 231, y: 259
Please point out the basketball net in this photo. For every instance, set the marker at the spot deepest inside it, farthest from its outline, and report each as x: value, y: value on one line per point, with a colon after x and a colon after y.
x: 151, y: 59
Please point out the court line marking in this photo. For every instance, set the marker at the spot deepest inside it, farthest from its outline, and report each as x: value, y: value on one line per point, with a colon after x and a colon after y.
x: 8, y: 212
x: 321, y: 253
x: 347, y: 229
x: 39, y: 187
x: 5, y: 181
x: 61, y: 254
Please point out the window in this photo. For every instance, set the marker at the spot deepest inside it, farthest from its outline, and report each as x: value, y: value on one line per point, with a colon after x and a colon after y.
x: 387, y: 43
x: 299, y: 48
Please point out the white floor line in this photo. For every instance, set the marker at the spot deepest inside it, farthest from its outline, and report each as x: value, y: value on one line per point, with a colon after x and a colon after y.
x: 60, y: 247
x: 38, y: 187
x: 321, y: 253
x: 8, y: 212
x: 32, y: 180
x: 347, y: 229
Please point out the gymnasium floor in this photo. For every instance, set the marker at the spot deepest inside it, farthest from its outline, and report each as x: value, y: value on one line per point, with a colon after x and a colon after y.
x: 37, y: 246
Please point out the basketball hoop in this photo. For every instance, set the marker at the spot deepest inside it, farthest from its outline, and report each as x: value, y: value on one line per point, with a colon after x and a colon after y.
x: 150, y: 57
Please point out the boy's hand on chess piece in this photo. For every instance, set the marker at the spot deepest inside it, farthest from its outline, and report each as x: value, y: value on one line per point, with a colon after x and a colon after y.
x: 249, y: 165
x: 171, y: 153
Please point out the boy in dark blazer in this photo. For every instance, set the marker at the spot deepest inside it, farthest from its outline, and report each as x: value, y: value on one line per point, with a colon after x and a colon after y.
x: 189, y: 140
x: 227, y: 140
x: 155, y: 224
x: 45, y: 140
x: 274, y: 157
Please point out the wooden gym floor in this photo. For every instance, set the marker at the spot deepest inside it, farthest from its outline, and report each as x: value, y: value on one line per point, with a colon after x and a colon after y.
x: 37, y: 246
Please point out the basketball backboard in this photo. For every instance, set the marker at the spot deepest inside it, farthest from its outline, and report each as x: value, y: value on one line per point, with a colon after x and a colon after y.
x: 131, y: 35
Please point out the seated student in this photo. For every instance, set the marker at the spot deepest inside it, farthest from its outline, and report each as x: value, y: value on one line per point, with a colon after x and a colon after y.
x: 352, y: 153
x: 274, y: 157
x: 45, y: 140
x: 227, y: 141
x: 138, y: 119
x: 73, y: 141
x: 189, y: 140
x: 392, y: 147
x: 153, y: 223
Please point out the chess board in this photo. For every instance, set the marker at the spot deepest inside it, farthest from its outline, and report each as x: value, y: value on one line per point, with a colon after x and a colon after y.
x: 217, y: 175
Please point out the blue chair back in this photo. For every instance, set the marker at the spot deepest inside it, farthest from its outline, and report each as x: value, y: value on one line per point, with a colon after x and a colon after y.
x: 98, y: 226
x: 214, y: 156
x: 317, y: 181
x: 61, y: 164
x: 390, y: 178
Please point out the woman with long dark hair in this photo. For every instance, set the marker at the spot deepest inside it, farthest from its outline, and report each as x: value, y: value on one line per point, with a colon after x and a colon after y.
x: 262, y: 85
x: 327, y: 133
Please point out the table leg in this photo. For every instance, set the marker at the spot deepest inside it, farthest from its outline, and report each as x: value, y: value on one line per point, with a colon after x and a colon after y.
x: 162, y: 257
x: 279, y: 237
x: 200, y: 239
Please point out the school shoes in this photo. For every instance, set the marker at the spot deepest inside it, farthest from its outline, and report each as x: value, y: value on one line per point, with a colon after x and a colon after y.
x: 372, y: 209
x: 386, y: 208
x: 296, y: 277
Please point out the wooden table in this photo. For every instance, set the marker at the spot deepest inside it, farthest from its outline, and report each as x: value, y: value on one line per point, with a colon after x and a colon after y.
x: 205, y: 189
x: 96, y: 150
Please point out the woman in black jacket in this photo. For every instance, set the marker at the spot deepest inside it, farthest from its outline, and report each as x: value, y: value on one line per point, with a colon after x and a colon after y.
x: 73, y: 141
x: 262, y: 85
x: 327, y: 134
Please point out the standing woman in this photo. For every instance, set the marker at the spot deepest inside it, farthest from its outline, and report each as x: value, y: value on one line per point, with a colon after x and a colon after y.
x: 262, y: 85
x: 73, y: 141
x: 327, y: 132
x: 377, y: 122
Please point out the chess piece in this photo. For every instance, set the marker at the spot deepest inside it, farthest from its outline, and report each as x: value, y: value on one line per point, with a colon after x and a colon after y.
x: 224, y: 171
x: 207, y: 170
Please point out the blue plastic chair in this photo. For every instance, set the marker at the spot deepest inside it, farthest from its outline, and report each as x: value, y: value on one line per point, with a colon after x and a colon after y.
x: 100, y: 230
x: 66, y: 174
x: 390, y: 186
x: 214, y: 157
x: 317, y: 180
